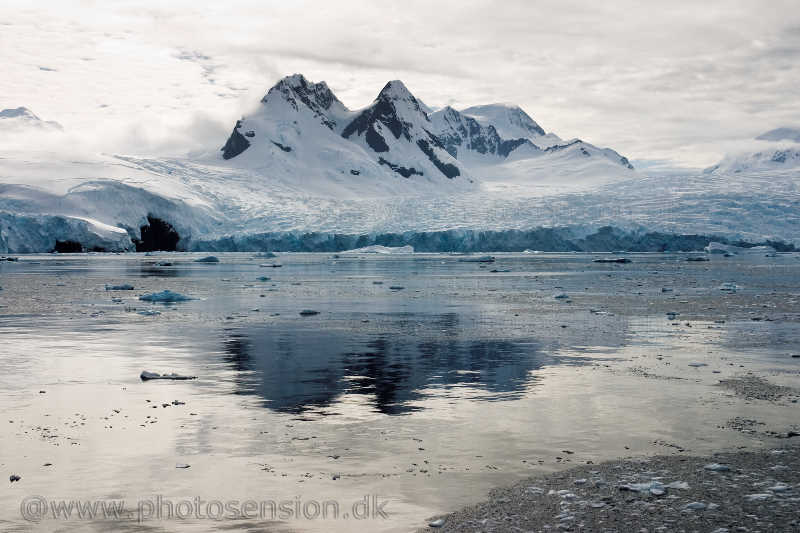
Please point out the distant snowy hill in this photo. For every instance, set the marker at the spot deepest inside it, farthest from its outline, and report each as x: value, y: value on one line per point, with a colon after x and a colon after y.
x: 22, y: 117
x: 782, y: 155
x: 758, y: 162
x: 781, y: 134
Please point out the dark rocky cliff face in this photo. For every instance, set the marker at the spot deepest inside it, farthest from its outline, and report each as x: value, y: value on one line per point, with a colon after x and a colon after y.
x: 236, y: 144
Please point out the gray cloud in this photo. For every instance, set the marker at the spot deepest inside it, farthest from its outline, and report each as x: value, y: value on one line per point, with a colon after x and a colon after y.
x: 677, y: 81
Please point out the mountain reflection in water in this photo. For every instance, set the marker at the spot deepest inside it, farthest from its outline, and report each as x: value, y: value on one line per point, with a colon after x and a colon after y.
x: 297, y: 370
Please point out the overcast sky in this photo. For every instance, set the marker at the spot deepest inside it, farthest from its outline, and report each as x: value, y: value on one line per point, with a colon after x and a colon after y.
x: 677, y: 80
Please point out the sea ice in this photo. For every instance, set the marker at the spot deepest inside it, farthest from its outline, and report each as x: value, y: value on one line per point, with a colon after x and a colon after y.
x: 166, y: 296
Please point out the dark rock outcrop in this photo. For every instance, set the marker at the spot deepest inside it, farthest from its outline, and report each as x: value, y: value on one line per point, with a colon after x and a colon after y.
x: 236, y: 144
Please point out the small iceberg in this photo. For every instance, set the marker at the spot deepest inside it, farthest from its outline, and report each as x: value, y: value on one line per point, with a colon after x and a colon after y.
x: 123, y: 287
x: 166, y: 296
x: 377, y: 249
x: 208, y: 259
x: 147, y: 376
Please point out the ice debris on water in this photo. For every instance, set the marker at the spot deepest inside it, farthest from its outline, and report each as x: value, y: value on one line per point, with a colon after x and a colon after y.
x: 695, y: 506
x: 146, y: 376
x: 716, y: 467
x: 780, y: 487
x: 208, y: 259
x: 759, y: 497
x: 165, y: 296
x: 123, y: 287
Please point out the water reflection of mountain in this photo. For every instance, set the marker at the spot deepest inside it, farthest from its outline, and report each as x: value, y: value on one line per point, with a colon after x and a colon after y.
x: 294, y: 370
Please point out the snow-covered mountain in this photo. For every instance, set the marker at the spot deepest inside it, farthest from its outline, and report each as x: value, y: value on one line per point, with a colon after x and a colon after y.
x: 302, y: 131
x: 511, y: 122
x: 23, y: 118
x: 463, y: 136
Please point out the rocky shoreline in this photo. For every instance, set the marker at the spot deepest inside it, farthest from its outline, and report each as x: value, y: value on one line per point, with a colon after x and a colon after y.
x: 747, y: 491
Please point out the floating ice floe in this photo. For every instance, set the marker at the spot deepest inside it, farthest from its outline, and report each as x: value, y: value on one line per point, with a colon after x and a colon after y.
x: 123, y: 287
x: 716, y: 467
x: 166, y: 296
x: 147, y: 376
x: 208, y: 259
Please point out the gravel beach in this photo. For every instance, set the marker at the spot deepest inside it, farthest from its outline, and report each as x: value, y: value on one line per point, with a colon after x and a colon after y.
x: 753, y: 491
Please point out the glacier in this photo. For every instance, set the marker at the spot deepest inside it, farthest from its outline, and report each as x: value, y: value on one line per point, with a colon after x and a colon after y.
x: 302, y: 172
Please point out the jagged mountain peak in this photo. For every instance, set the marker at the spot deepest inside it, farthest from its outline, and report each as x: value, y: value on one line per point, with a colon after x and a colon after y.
x: 318, y: 97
